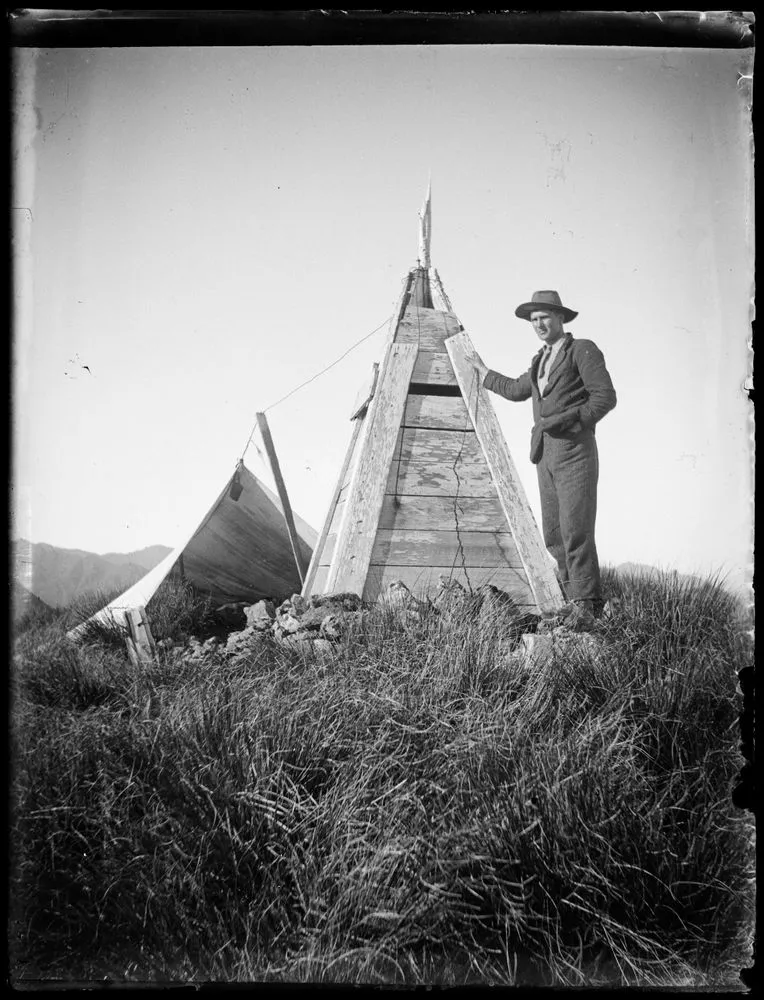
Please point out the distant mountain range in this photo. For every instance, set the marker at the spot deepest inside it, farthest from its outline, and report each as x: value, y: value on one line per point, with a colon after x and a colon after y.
x: 58, y: 576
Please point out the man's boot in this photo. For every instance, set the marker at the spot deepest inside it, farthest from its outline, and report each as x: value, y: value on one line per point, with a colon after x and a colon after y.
x: 578, y: 616
x: 576, y: 606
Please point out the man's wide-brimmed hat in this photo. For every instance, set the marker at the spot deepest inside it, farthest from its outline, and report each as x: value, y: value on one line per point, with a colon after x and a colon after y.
x: 545, y: 300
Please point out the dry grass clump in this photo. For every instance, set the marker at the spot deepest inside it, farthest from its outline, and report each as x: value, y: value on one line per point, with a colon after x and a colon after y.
x: 416, y: 808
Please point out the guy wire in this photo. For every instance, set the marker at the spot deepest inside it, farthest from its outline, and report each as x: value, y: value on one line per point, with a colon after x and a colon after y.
x: 314, y: 377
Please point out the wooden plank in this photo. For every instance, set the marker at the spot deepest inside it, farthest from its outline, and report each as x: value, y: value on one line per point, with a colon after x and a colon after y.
x: 440, y: 300
x: 366, y: 393
x: 367, y: 488
x: 427, y: 328
x: 141, y: 647
x: 429, y: 444
x: 440, y: 479
x: 319, y: 580
x: 433, y: 368
x: 334, y: 512
x: 512, y: 496
x: 440, y: 513
x: 445, y: 548
x: 409, y: 547
x: 445, y: 412
x: 423, y: 581
x: 403, y: 303
x: 420, y: 290
x: 329, y: 547
x: 294, y: 541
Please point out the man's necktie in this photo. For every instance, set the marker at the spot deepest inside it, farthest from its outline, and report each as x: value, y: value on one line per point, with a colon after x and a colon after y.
x: 544, y: 362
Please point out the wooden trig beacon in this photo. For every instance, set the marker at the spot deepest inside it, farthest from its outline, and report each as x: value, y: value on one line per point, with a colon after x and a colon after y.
x: 428, y: 489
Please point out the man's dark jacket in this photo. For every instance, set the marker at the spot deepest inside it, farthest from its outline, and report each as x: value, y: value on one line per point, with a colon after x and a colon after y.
x: 578, y: 394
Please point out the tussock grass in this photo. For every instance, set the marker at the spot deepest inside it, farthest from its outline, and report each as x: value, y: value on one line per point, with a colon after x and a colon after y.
x: 178, y: 611
x: 415, y: 808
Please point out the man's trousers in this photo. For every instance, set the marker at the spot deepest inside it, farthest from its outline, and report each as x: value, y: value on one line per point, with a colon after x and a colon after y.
x: 567, y: 474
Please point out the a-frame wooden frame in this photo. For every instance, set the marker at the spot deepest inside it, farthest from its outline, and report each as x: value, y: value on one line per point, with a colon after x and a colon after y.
x: 428, y: 488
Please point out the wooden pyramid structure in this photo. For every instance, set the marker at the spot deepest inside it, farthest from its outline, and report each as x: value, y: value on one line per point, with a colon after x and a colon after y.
x: 428, y: 491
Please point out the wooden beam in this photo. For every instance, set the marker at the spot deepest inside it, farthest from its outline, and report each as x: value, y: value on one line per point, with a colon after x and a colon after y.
x: 360, y: 409
x: 439, y: 479
x: 428, y: 444
x: 281, y: 487
x: 512, y: 497
x: 423, y: 580
x: 424, y: 547
x: 433, y: 368
x: 367, y: 488
x: 365, y: 394
x: 440, y: 299
x: 140, y: 642
x: 443, y: 513
x: 444, y: 412
x: 427, y: 328
x: 308, y: 586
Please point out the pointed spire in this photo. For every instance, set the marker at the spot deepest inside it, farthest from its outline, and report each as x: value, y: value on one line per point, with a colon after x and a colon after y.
x: 425, y: 228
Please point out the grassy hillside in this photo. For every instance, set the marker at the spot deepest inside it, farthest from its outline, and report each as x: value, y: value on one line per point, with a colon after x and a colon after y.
x: 415, y: 806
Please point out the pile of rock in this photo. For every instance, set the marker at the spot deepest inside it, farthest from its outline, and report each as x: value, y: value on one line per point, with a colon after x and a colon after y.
x: 318, y: 623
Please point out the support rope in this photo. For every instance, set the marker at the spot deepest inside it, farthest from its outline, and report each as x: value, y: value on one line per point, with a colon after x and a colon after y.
x: 312, y: 379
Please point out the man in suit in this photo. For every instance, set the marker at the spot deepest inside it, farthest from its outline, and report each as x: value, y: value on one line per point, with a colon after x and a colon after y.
x: 571, y: 391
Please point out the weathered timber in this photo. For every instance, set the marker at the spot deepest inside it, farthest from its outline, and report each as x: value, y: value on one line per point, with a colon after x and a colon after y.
x: 320, y: 576
x: 414, y: 547
x: 439, y: 298
x: 440, y: 479
x: 484, y: 549
x: 427, y: 328
x: 444, y: 412
x: 429, y: 444
x: 443, y: 513
x: 141, y: 647
x: 403, y: 303
x: 329, y: 545
x: 365, y: 394
x: 334, y: 511
x: 423, y: 580
x: 541, y: 576
x: 366, y: 493
x: 294, y: 538
x: 433, y: 368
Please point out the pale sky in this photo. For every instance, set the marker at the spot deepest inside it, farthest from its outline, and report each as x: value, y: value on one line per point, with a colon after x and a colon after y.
x: 210, y: 227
